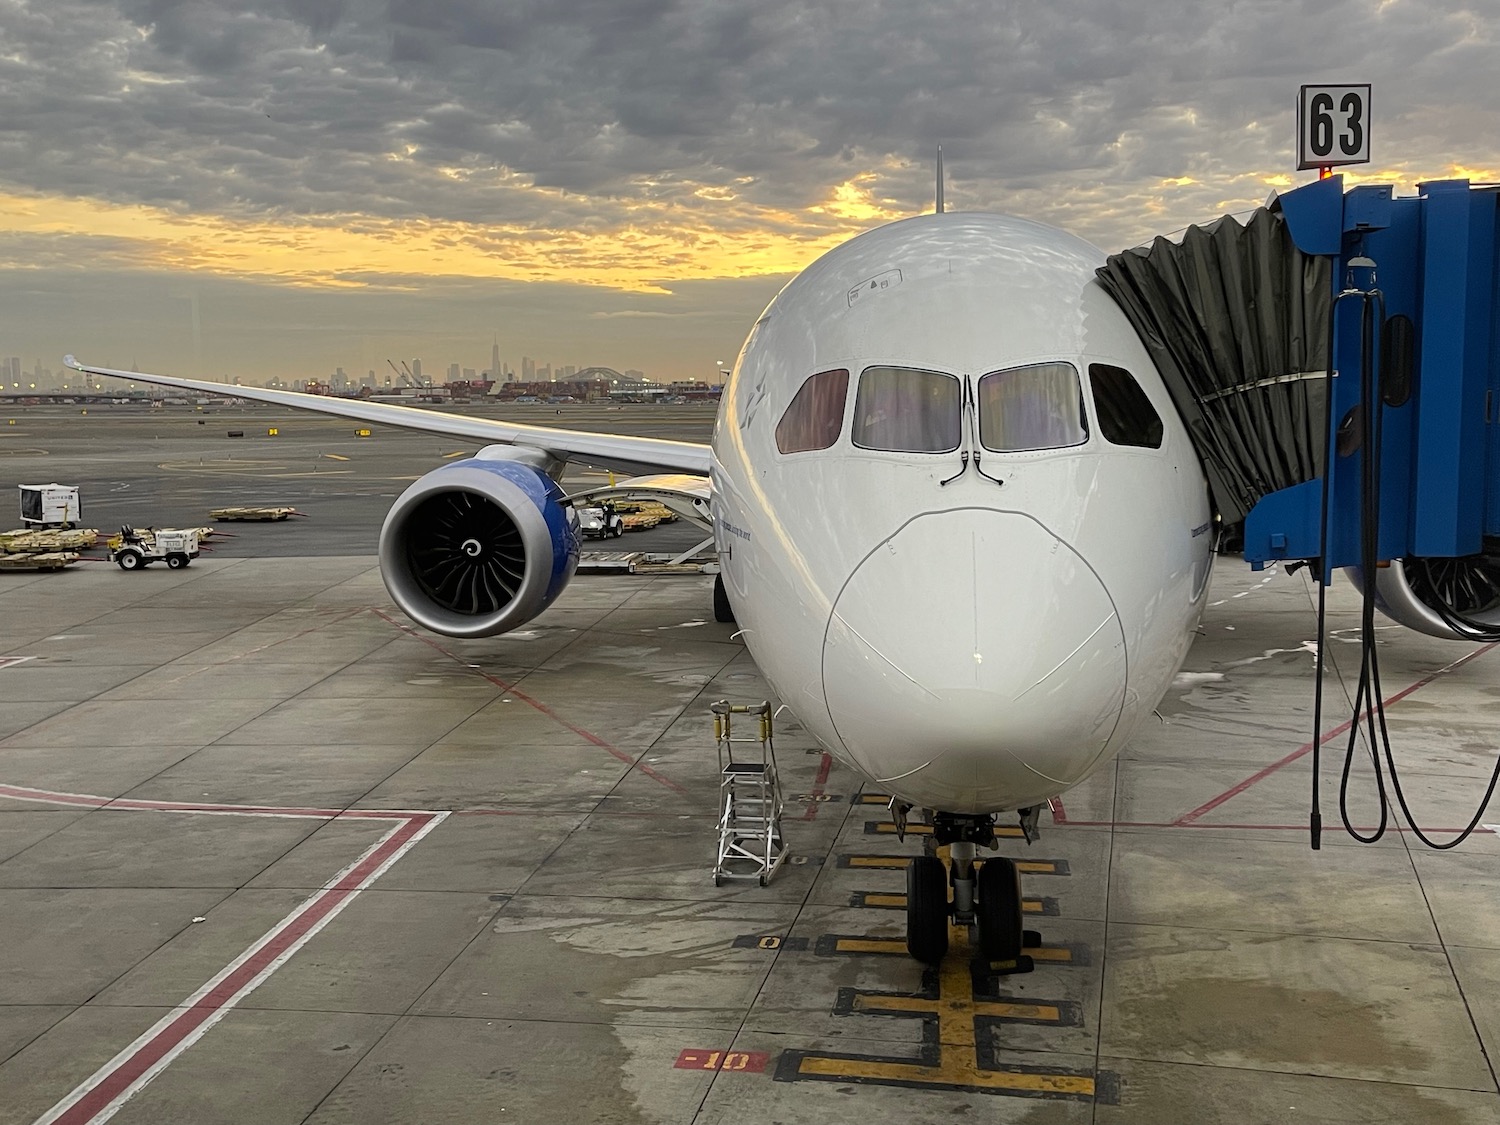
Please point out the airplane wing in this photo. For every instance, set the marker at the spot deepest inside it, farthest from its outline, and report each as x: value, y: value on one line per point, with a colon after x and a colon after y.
x: 618, y: 452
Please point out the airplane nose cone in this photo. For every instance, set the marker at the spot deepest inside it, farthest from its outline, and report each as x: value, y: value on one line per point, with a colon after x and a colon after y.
x: 974, y: 662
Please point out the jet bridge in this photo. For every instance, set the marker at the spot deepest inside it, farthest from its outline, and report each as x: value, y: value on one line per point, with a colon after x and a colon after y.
x: 1240, y: 317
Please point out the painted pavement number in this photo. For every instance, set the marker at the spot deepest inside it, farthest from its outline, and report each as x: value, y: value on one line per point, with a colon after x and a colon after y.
x: 959, y: 1006
x: 735, y: 1062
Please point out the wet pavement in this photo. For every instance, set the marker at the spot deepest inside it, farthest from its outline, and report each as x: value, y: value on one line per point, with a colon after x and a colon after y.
x: 268, y: 854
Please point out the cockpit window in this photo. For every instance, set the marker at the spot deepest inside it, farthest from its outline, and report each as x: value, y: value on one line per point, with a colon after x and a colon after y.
x: 905, y: 410
x: 816, y: 415
x: 1126, y: 416
x: 1035, y: 407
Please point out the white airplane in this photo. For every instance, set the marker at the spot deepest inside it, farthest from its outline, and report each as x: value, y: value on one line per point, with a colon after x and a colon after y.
x: 962, y: 528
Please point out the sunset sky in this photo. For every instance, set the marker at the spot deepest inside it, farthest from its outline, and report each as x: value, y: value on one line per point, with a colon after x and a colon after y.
x: 259, y: 188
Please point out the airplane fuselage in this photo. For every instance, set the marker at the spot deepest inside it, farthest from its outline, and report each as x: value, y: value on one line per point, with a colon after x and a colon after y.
x: 973, y: 634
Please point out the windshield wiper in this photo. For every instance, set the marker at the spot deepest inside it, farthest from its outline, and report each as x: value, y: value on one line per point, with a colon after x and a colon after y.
x: 972, y: 410
x: 965, y: 408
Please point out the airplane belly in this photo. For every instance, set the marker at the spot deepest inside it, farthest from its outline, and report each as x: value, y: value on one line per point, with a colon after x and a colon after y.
x: 974, y: 662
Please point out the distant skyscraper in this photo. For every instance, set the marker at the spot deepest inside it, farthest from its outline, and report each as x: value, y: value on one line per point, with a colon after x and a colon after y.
x: 528, y: 369
x: 416, y: 369
x: 544, y: 373
x: 495, y: 361
x: 569, y: 371
x: 453, y: 373
x: 15, y: 368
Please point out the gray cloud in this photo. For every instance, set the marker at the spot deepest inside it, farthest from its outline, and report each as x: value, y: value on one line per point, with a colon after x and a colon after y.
x: 355, y: 112
x: 308, y: 107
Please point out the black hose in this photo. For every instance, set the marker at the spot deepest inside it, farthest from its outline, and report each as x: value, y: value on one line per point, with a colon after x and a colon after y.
x: 1369, y: 698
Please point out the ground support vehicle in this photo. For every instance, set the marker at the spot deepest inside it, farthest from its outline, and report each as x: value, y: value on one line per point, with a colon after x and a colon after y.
x: 135, y: 549
x: 600, y: 521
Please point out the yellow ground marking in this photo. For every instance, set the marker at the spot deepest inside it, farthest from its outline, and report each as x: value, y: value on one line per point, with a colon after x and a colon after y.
x: 949, y: 1074
x: 896, y: 862
x: 898, y: 902
x: 887, y: 828
x: 335, y: 457
x: 455, y: 453
x: 896, y: 947
x: 958, y: 1054
x: 1001, y: 1009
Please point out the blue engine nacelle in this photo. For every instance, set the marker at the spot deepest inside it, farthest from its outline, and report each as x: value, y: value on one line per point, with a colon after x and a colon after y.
x: 479, y: 547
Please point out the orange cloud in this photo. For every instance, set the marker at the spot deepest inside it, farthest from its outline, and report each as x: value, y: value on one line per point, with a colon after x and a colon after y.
x: 657, y: 240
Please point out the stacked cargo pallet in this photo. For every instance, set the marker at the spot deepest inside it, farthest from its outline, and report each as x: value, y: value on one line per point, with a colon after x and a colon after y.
x: 38, y: 560
x: 27, y: 540
x: 263, y: 514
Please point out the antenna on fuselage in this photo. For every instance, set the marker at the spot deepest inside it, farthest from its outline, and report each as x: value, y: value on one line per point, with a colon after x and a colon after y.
x: 939, y: 210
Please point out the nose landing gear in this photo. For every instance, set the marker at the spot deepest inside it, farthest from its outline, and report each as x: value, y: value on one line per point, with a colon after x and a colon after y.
x: 986, y: 894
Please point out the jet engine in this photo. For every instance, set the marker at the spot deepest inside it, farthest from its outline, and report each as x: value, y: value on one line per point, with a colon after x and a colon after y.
x: 1452, y: 598
x: 481, y: 546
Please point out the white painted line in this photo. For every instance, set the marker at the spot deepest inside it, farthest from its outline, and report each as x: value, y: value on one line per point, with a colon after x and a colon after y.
x: 100, y: 1096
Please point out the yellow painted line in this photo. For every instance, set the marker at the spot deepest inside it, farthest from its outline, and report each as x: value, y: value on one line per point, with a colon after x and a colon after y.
x: 958, y: 1060
x: 869, y: 945
x: 455, y: 453
x: 1036, y: 867
x: 948, y: 1074
x: 897, y: 862
x: 897, y: 947
x: 1004, y: 1009
x: 898, y: 902
x: 335, y: 457
x: 887, y: 828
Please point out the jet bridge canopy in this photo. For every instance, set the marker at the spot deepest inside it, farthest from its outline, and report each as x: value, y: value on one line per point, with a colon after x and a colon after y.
x: 1236, y: 318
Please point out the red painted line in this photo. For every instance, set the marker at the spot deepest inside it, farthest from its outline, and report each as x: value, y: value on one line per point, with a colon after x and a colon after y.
x: 125, y: 1074
x: 825, y: 767
x: 511, y: 689
x: 1306, y: 748
x: 1244, y: 827
x: 24, y: 793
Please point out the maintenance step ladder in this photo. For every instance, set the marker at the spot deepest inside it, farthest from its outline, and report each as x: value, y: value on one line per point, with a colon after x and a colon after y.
x: 750, y: 841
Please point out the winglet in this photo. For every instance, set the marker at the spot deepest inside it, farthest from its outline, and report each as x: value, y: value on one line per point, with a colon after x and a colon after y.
x: 69, y: 361
x: 939, y: 210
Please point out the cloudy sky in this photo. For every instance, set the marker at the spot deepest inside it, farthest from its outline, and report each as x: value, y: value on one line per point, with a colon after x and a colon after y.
x: 261, y: 188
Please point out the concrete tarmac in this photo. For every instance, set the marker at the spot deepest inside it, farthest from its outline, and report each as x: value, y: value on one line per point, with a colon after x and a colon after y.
x: 269, y: 854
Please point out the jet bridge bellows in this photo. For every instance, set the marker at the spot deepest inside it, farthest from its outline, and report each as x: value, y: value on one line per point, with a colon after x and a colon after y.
x: 1236, y: 317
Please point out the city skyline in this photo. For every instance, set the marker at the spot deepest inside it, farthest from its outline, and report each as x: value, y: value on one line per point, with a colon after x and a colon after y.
x: 265, y: 190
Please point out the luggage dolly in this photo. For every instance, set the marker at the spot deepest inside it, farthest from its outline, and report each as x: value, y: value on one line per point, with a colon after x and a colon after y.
x: 750, y: 841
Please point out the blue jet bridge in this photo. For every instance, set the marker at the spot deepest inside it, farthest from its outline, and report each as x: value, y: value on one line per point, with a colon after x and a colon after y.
x: 1240, y: 319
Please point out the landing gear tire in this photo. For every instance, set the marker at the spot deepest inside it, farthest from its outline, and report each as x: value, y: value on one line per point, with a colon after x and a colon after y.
x: 927, y: 909
x: 997, y: 909
x: 723, y: 611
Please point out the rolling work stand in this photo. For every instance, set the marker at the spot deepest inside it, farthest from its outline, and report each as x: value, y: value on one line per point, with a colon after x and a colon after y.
x: 750, y: 841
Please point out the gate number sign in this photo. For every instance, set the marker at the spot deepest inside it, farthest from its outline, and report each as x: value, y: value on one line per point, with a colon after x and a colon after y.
x: 1333, y: 126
